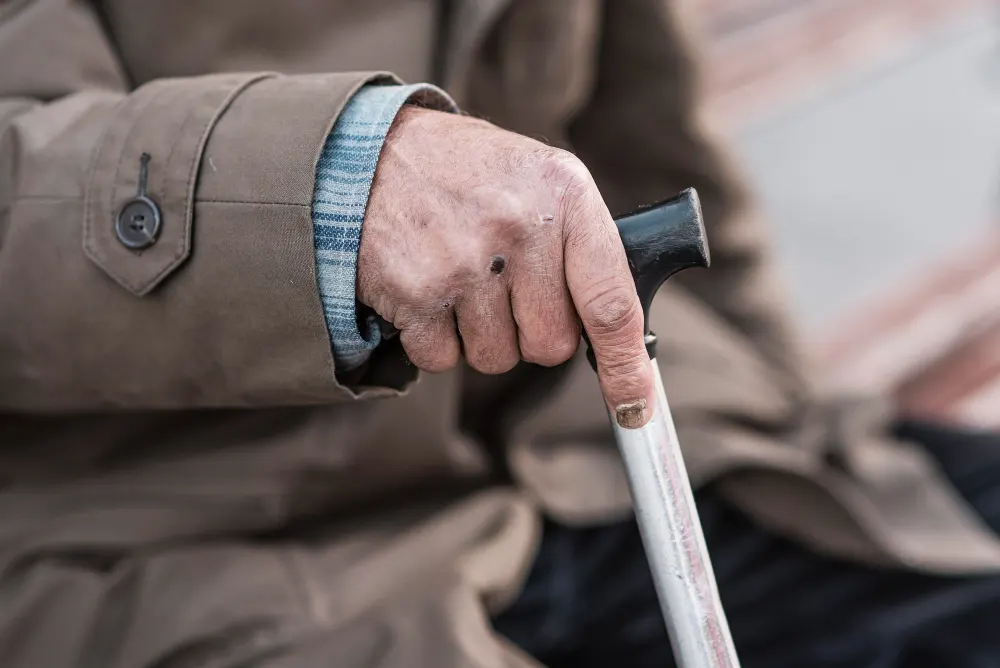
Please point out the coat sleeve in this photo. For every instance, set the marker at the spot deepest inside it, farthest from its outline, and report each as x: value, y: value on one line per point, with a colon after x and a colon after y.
x: 644, y: 138
x: 223, y: 309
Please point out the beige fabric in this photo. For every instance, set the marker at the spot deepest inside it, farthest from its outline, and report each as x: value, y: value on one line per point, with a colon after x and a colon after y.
x: 184, y: 483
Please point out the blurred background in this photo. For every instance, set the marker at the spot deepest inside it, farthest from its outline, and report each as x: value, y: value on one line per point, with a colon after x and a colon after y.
x: 871, y: 132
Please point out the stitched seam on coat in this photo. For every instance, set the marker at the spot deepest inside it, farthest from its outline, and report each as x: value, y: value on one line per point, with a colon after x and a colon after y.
x: 240, y: 201
x: 188, y: 215
x: 183, y: 240
x: 57, y: 198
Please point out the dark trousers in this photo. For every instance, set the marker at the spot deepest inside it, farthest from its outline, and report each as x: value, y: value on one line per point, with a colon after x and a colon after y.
x: 589, y: 599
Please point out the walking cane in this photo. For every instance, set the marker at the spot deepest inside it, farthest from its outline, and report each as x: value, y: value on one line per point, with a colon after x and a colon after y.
x: 659, y: 241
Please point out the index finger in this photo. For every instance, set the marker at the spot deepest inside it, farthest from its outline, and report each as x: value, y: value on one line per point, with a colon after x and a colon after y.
x: 605, y: 297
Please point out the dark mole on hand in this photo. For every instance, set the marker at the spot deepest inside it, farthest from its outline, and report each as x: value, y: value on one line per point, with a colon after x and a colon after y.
x: 497, y: 264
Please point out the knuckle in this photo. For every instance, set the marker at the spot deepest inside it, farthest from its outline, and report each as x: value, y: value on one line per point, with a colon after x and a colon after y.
x: 402, y: 285
x: 550, y: 341
x: 612, y: 310
x: 552, y: 353
x: 424, y: 357
x: 429, y: 351
x: 577, y: 198
x: 625, y: 376
x: 424, y: 287
x: 625, y: 366
x: 564, y: 168
x: 436, y: 364
x: 492, y: 361
x: 503, y: 204
x: 445, y: 357
x: 565, y: 174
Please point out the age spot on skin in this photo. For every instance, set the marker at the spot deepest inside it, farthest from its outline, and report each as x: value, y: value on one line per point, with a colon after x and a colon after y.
x: 497, y: 264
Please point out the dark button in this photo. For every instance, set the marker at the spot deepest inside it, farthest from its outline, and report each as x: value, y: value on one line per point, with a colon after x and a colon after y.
x: 138, y: 223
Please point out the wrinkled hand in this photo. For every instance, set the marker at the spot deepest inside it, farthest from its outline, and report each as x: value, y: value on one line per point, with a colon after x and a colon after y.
x: 481, y: 242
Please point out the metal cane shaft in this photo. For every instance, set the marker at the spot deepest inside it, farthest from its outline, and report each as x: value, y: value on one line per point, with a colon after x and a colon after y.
x: 659, y: 241
x: 674, y: 542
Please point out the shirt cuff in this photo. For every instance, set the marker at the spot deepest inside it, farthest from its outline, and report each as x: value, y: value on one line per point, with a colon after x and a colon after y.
x: 343, y: 182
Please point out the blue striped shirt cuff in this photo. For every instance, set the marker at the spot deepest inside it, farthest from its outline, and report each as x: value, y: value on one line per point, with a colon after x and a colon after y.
x: 343, y: 181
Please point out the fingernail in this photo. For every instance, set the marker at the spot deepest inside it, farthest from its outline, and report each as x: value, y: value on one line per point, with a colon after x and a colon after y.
x: 631, y: 415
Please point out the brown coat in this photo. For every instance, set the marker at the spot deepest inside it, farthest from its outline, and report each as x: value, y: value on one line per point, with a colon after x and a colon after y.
x: 148, y: 517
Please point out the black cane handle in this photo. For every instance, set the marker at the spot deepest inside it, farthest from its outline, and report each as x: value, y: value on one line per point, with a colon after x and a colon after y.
x: 662, y: 239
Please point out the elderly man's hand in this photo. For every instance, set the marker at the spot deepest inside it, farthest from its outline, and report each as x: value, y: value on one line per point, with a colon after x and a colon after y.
x: 481, y: 242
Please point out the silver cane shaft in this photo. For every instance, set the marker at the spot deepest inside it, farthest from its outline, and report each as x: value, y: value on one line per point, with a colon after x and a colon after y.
x: 674, y: 542
x: 659, y: 241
